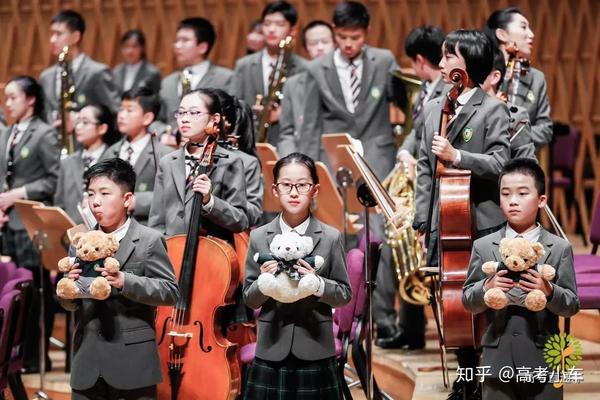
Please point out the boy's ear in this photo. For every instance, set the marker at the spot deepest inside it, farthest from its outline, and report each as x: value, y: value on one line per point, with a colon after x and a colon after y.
x: 148, y: 118
x: 129, y: 198
x: 542, y: 201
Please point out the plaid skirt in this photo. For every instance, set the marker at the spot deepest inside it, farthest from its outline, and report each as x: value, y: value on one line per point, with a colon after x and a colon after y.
x: 19, y: 247
x: 293, y: 379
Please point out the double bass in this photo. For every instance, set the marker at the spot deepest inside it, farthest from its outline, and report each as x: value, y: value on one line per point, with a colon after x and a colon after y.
x: 196, y: 359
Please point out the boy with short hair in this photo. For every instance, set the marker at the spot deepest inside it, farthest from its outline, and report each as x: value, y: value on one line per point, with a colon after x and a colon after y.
x: 252, y: 73
x: 194, y: 40
x: 121, y: 328
x: 93, y: 80
x: 516, y: 336
x: 139, y: 108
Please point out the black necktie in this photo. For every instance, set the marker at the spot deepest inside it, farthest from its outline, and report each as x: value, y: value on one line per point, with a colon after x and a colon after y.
x: 11, y: 156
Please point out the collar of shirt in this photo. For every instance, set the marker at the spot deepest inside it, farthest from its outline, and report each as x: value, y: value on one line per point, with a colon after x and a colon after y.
x: 465, y: 97
x: 121, y: 231
x: 429, y: 85
x: 266, y: 61
x: 301, y: 229
x: 23, y: 125
x: 342, y: 62
x: 94, y: 155
x: 137, y: 146
x: 533, y: 235
x: 342, y: 66
x: 134, y: 68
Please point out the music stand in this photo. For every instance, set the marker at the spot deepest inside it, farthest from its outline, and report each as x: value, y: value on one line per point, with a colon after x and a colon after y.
x: 46, y: 227
x: 268, y: 157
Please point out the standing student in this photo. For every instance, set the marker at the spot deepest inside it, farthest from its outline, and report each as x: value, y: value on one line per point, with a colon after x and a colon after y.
x: 253, y: 72
x: 194, y: 40
x: 349, y: 91
x: 139, y: 107
x: 92, y: 80
x: 477, y: 141
x: 115, y: 355
x: 29, y: 155
x: 317, y: 39
x: 515, y: 337
x: 424, y: 47
x: 295, y: 351
x: 95, y: 131
x: 509, y: 26
x: 223, y: 186
x: 135, y: 71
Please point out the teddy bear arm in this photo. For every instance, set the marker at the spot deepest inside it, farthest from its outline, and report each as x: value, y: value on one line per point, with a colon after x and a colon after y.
x: 548, y: 272
x: 64, y: 264
x: 489, y: 267
x: 111, y: 265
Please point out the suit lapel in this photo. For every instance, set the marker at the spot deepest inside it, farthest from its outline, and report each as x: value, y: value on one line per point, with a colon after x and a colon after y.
x: 77, y: 170
x: 273, y: 228
x: 143, y: 159
x: 127, y: 244
x: 465, y: 114
x: 256, y: 74
x: 207, y: 78
x: 139, y: 76
x: 333, y: 81
x: 524, y: 88
x: 79, y: 75
x: 120, y: 75
x: 498, y: 236
x: 178, y: 172
x: 366, y: 79
x: 315, y: 231
x: 25, y: 138
x: 546, y: 240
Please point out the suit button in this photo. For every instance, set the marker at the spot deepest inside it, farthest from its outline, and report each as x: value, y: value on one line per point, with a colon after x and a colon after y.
x: 516, y: 333
x: 99, y: 333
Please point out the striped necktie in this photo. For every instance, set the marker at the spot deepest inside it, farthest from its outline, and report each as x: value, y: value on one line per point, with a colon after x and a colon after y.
x: 129, y: 151
x: 11, y: 155
x: 354, y: 84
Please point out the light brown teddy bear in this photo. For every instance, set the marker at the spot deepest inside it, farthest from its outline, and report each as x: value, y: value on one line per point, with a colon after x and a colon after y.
x: 518, y: 255
x: 94, y: 250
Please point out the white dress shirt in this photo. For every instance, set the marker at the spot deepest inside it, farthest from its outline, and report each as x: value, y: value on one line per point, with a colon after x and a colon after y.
x: 94, y: 155
x: 301, y: 230
x: 343, y: 68
x: 533, y: 235
x: 268, y: 64
x: 19, y: 127
x: 138, y: 146
x: 131, y: 71
x: 121, y: 231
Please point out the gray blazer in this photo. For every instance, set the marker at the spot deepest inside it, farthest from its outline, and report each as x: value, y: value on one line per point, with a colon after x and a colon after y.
x: 248, y: 81
x: 485, y: 119
x: 172, y: 203
x: 115, y: 338
x: 216, y: 77
x: 515, y: 335
x: 292, y: 114
x: 93, y: 82
x: 254, y: 187
x: 326, y: 112
x: 303, y: 328
x: 145, y: 171
x: 69, y: 188
x: 413, y: 140
x: 147, y: 76
x: 532, y: 94
x: 36, y: 164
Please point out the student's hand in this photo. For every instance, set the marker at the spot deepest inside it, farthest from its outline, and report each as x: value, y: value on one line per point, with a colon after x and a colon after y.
x: 7, y: 199
x: 74, y: 272
x: 533, y: 280
x: 203, y: 185
x: 498, y: 281
x: 116, y: 279
x: 442, y: 148
x: 304, y: 268
x: 269, y: 267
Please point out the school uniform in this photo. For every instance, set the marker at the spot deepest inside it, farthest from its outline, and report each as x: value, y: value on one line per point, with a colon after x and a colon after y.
x: 172, y: 201
x: 71, y: 186
x: 141, y: 74
x: 337, y: 103
x: 295, y: 346
x: 143, y: 161
x: 115, y: 348
x: 532, y: 94
x: 254, y: 187
x: 292, y: 114
x: 251, y: 77
x: 93, y: 84
x: 204, y: 75
x: 516, y: 336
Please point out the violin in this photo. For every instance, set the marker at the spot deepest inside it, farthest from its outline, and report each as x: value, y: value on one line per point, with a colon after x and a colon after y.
x: 198, y: 360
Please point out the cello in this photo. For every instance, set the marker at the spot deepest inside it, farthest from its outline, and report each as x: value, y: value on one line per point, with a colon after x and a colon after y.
x: 198, y: 361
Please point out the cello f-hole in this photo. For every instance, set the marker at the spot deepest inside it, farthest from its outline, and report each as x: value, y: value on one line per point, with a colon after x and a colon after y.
x: 208, y: 349
x: 163, y: 331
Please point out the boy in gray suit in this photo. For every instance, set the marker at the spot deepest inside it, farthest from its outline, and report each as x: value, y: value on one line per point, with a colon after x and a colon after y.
x: 193, y: 42
x: 139, y: 108
x: 516, y: 336
x: 93, y: 81
x: 253, y: 73
x: 115, y: 354
x: 317, y: 39
x: 349, y: 91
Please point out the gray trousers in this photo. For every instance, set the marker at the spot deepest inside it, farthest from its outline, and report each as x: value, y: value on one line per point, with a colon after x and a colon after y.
x: 103, y: 391
x: 494, y: 389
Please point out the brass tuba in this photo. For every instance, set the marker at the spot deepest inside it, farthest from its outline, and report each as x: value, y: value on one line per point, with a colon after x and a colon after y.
x: 67, y: 91
x: 407, y: 252
x: 412, y: 85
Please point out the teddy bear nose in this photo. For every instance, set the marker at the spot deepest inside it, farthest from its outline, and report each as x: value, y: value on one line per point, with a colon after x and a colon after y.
x: 287, y: 249
x: 85, y: 251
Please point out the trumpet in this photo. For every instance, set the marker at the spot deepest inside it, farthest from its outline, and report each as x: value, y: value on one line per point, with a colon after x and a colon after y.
x: 67, y: 92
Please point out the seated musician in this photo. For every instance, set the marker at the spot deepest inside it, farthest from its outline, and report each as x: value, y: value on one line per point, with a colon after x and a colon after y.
x: 477, y: 141
x: 115, y: 355
x: 516, y: 336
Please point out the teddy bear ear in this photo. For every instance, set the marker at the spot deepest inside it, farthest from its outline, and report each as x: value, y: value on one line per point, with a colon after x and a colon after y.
x: 113, y: 241
x: 76, y: 238
x: 539, y: 249
x: 307, y: 241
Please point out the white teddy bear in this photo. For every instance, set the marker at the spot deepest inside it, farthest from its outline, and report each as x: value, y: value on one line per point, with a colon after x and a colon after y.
x: 288, y: 287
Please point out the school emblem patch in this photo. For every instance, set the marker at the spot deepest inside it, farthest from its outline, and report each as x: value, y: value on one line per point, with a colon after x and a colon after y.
x: 25, y: 152
x: 375, y: 93
x: 81, y: 99
x: 530, y: 96
x: 142, y: 187
x: 467, y: 134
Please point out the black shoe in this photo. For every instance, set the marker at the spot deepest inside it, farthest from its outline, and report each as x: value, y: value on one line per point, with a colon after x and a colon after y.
x: 400, y: 340
x: 35, y: 369
x: 465, y: 391
x: 386, y: 331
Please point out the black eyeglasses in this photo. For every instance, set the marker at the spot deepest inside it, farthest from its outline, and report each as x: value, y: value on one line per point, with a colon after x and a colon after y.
x: 192, y: 114
x: 286, y: 188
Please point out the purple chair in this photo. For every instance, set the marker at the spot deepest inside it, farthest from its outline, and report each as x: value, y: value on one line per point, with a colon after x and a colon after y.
x: 7, y: 270
x: 587, y: 267
x: 8, y: 303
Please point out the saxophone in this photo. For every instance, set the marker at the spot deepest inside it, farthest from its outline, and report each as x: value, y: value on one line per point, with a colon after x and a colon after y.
x: 67, y: 92
x: 407, y: 252
x: 274, y: 94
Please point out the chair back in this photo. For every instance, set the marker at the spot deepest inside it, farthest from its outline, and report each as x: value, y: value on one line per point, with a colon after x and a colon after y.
x: 595, y: 228
x: 565, y: 149
x: 344, y: 316
x: 7, y: 271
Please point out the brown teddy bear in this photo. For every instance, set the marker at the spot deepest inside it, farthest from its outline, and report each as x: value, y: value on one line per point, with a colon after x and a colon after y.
x: 94, y: 250
x: 518, y: 255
